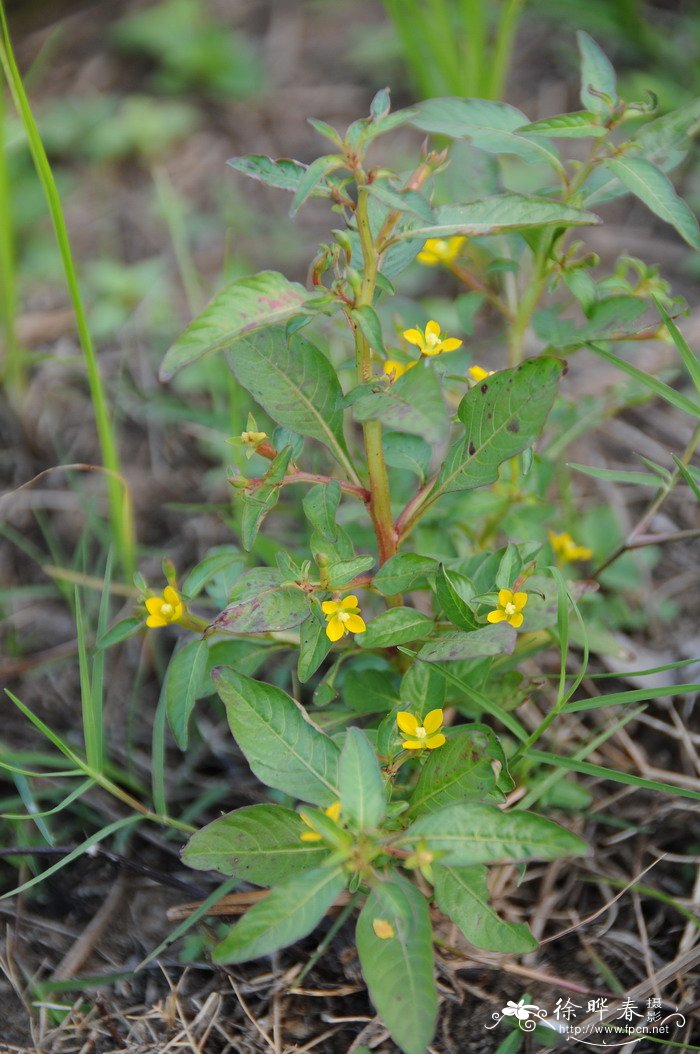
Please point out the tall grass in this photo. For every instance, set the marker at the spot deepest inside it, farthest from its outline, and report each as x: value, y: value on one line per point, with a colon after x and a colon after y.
x: 120, y: 509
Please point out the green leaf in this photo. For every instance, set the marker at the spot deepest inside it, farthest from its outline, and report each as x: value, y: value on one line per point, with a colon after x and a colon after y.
x: 601, y: 772
x: 221, y: 558
x: 342, y: 572
x: 502, y: 417
x: 566, y: 126
x: 282, y: 173
x: 287, y: 914
x: 182, y: 680
x: 399, y: 969
x: 422, y: 688
x: 408, y: 452
x: 655, y: 190
x: 370, y: 326
x: 401, y: 572
x: 501, y: 212
x: 688, y: 357
x: 320, y: 507
x: 457, y: 646
x: 465, y: 768
x: 482, y: 834
x: 617, y: 475
x: 664, y: 391
x: 413, y: 404
x: 396, y: 626
x: 369, y: 691
x: 122, y: 630
x: 259, y: 844
x: 257, y: 503
x: 381, y: 104
x: 597, y: 73
x: 462, y: 894
x: 402, y: 200
x: 314, y: 645
x: 243, y: 306
x: 452, y: 116
x: 258, y: 603
x: 362, y: 793
x: 295, y: 384
x: 314, y: 174
x: 282, y: 747
x: 451, y: 588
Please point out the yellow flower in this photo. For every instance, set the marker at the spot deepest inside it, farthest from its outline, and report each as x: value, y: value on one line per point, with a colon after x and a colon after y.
x: 343, y: 616
x: 566, y: 549
x: 253, y: 438
x: 510, y: 608
x: 478, y: 373
x: 165, y: 609
x: 394, y: 369
x: 422, y: 735
x: 429, y: 341
x: 441, y: 251
x: 333, y: 812
x: 383, y: 929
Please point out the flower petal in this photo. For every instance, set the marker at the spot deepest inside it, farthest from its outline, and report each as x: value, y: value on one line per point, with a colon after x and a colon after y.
x: 413, y: 336
x: 171, y: 596
x: 432, y: 742
x: 496, y: 616
x: 432, y: 329
x: 505, y: 596
x: 407, y: 722
x: 355, y: 624
x: 330, y: 607
x: 520, y: 600
x: 155, y: 621
x: 412, y: 744
x: 349, y: 602
x: 451, y: 344
x: 516, y: 620
x: 335, y: 629
x: 310, y: 836
x: 153, y: 605
x: 333, y: 811
x: 427, y: 257
x: 433, y: 721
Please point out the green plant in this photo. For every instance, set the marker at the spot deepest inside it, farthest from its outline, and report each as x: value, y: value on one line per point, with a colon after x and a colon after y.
x: 457, y: 47
x: 417, y: 578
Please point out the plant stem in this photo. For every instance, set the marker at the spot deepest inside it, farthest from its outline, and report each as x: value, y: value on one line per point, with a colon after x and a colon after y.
x: 380, y: 501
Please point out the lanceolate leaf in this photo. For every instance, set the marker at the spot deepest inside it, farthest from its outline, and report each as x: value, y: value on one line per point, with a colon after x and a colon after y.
x: 453, y: 116
x: 597, y: 75
x: 243, y: 306
x: 414, y: 404
x: 457, y: 646
x: 402, y: 571
x: 295, y: 383
x: 259, y: 604
x: 567, y: 126
x: 314, y: 645
x: 482, y: 834
x: 282, y: 747
x: 462, y: 769
x: 395, y: 626
x: 502, y: 212
x: 259, y: 844
x: 462, y: 893
x: 655, y: 190
x: 502, y: 416
x: 182, y: 681
x: 283, y: 173
x: 398, y: 967
x: 290, y: 912
x: 320, y: 506
x: 361, y: 786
